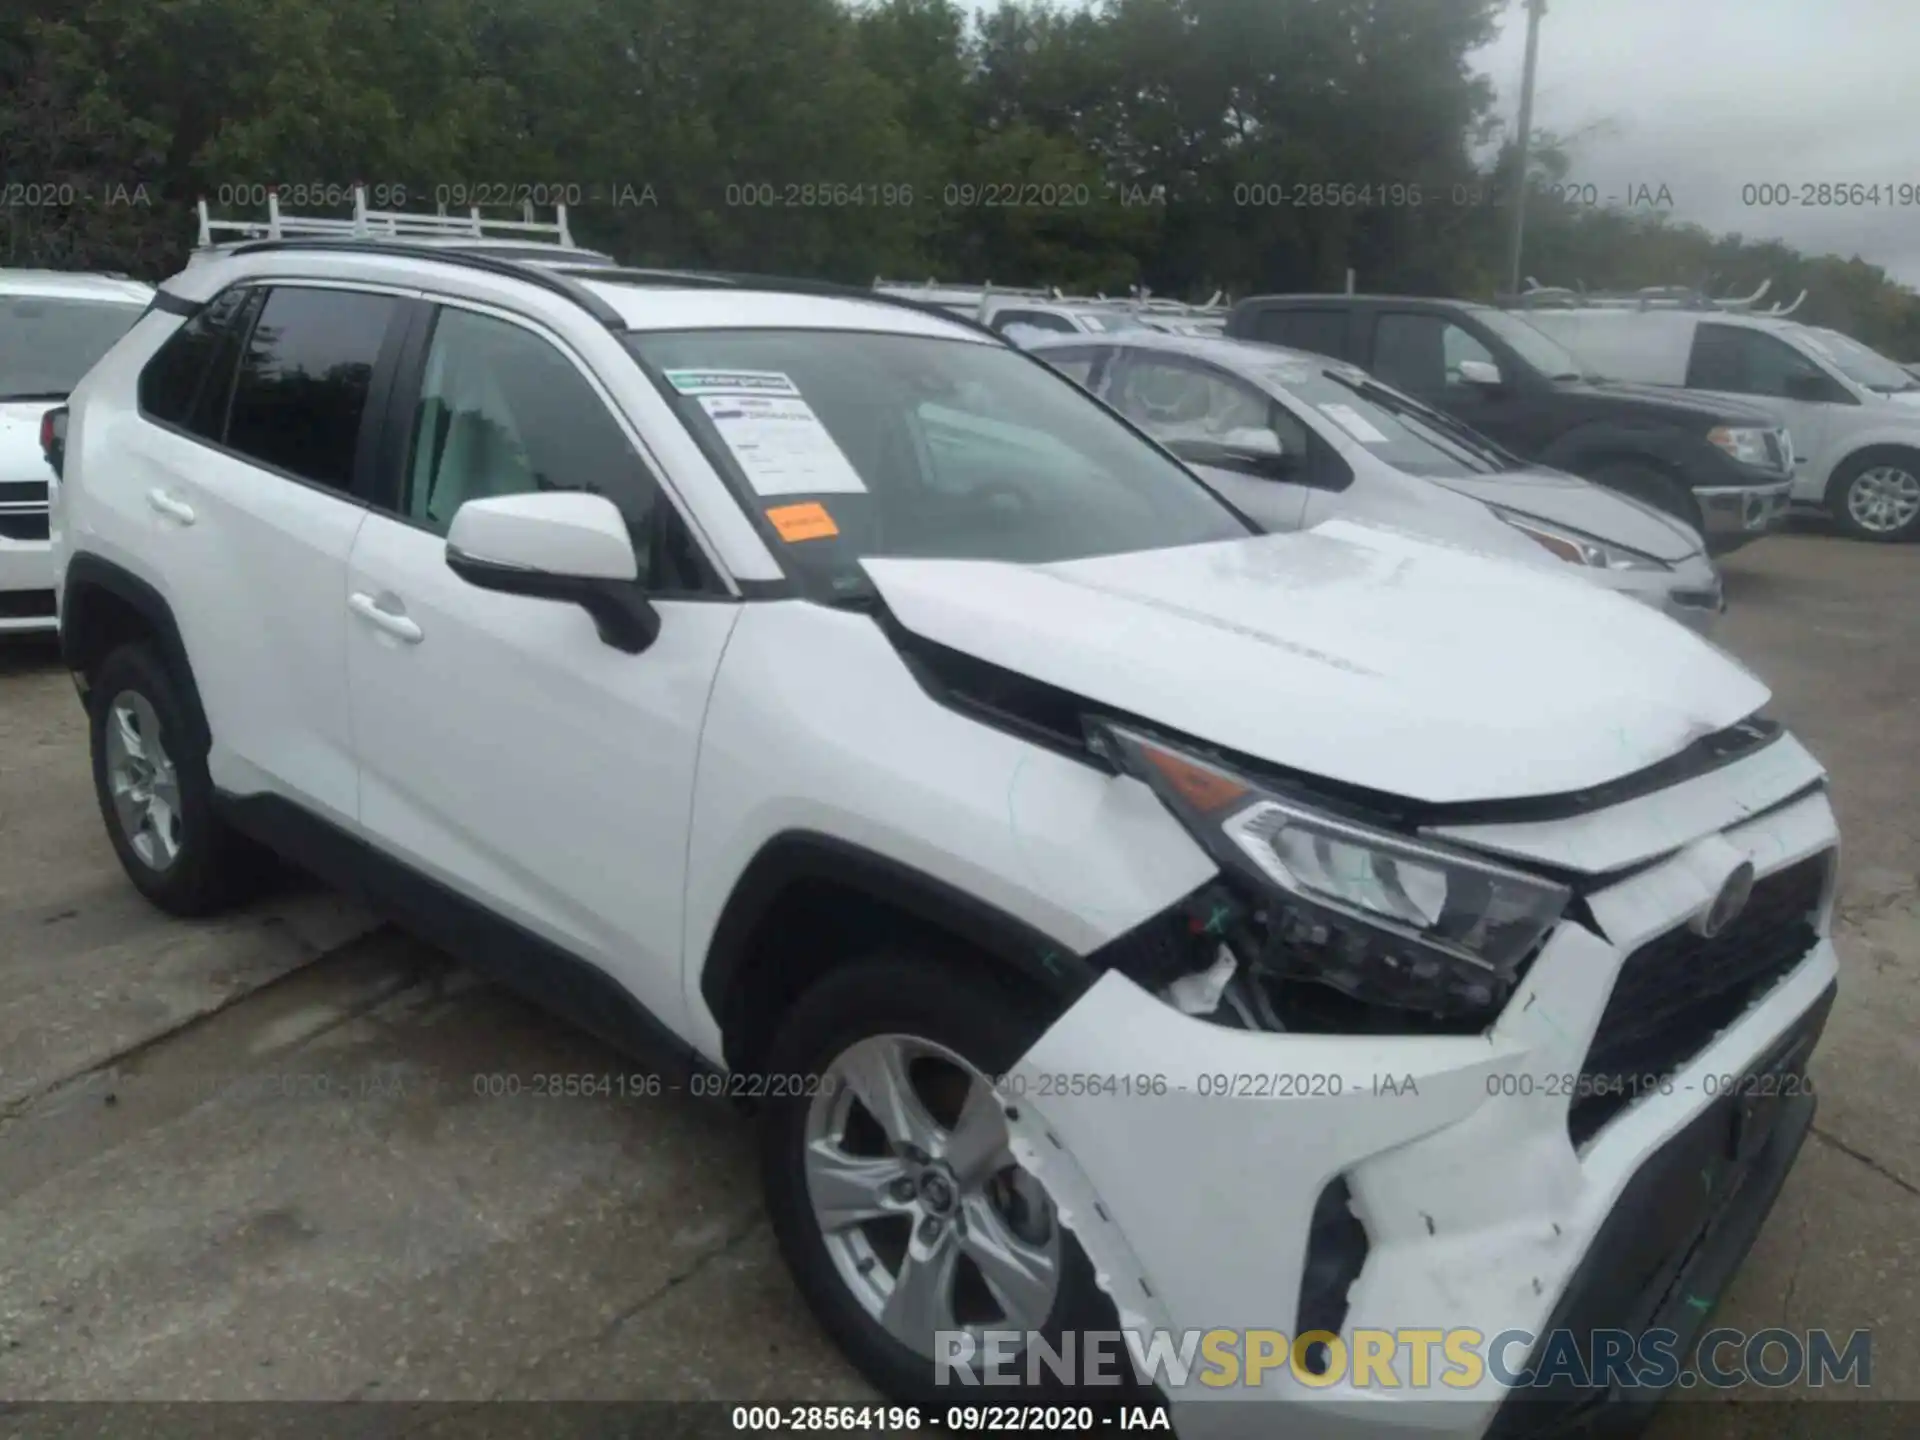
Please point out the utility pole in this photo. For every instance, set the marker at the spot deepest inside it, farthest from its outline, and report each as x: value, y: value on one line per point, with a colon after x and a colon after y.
x: 1535, y: 9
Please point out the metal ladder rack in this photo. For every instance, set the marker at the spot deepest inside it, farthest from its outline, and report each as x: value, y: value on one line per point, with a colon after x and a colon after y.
x: 367, y: 224
x: 1651, y: 297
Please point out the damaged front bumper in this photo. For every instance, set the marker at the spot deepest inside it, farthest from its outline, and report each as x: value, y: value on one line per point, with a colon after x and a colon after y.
x: 1492, y: 1189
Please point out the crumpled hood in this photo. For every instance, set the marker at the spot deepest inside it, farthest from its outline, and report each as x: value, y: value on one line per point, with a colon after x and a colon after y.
x: 1349, y: 652
x: 20, y: 457
x: 1567, y: 500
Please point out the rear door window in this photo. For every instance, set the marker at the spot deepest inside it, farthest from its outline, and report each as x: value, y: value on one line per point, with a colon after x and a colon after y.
x: 305, y: 374
x: 190, y: 378
x: 1323, y: 332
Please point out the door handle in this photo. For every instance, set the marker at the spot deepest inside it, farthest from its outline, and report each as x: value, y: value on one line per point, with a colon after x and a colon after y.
x: 163, y: 503
x: 399, y: 626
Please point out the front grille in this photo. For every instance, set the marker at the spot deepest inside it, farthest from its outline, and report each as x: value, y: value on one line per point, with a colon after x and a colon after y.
x: 24, y: 524
x: 23, y: 492
x: 26, y: 605
x: 1679, y: 990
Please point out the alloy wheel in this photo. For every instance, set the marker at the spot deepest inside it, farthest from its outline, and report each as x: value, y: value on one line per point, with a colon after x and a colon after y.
x: 142, y: 780
x: 927, y: 1217
x: 1884, y: 499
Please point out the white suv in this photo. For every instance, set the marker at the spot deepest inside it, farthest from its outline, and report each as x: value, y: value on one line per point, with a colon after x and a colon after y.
x: 1854, y: 415
x: 53, y: 325
x: 1123, y: 920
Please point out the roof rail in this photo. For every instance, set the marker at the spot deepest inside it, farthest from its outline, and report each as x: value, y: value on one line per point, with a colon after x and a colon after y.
x: 547, y: 277
x: 395, y: 224
x: 1649, y: 297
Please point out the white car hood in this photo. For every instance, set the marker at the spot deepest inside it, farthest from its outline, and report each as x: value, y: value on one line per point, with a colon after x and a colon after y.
x: 20, y: 457
x: 1349, y: 652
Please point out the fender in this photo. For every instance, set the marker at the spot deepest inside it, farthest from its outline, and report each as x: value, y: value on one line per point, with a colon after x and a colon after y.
x: 800, y: 856
x: 92, y: 588
x: 1665, y: 447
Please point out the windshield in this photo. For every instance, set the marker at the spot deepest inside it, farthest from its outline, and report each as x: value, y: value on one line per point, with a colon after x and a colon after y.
x: 1536, y: 347
x: 1859, y: 363
x: 845, y: 444
x: 1392, y: 427
x: 48, y: 343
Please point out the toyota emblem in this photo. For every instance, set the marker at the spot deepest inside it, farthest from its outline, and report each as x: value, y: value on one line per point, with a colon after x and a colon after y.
x: 1727, y: 905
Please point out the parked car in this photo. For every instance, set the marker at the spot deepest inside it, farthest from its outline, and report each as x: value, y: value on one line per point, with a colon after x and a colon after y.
x: 1294, y: 439
x: 1854, y: 414
x: 980, y: 802
x: 53, y: 325
x: 1719, y: 464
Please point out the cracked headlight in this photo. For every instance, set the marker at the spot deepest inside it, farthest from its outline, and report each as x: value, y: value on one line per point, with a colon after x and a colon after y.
x: 1578, y: 549
x: 1388, y: 919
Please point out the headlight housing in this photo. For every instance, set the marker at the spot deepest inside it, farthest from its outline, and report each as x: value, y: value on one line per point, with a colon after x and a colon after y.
x: 1387, y: 919
x: 1578, y: 549
x: 1748, y: 445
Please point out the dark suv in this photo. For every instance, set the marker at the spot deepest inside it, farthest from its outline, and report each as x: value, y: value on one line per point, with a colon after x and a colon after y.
x: 1721, y: 466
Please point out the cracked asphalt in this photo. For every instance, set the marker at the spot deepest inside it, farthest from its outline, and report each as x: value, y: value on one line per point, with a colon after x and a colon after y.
x: 292, y: 1154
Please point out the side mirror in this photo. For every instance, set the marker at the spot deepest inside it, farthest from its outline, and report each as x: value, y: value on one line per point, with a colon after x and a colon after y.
x: 557, y: 545
x: 1479, y: 372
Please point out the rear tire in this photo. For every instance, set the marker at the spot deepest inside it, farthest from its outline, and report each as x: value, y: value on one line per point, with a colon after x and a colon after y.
x: 154, y: 791
x: 1875, y: 495
x: 897, y: 1018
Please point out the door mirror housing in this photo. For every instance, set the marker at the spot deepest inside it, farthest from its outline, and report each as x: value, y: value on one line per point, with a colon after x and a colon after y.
x: 557, y: 545
x: 1480, y: 372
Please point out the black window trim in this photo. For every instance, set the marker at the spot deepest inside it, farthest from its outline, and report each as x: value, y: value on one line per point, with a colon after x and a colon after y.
x: 377, y: 385
x: 390, y: 451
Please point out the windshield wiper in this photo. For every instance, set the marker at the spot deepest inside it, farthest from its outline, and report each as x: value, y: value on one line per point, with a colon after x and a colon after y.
x: 20, y: 395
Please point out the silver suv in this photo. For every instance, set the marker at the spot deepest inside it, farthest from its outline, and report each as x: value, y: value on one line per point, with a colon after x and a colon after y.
x: 1854, y: 415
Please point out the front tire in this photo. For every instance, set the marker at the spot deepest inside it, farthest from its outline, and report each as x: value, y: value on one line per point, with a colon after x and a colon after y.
x: 1876, y: 496
x: 154, y: 791
x: 896, y: 1203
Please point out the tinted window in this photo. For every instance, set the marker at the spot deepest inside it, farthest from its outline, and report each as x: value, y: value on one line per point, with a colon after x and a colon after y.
x: 304, y: 378
x: 1748, y: 362
x: 178, y: 374
x: 1324, y: 332
x: 1410, y: 353
x: 502, y: 412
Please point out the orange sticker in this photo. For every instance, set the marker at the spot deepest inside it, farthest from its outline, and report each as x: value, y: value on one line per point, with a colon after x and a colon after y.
x: 802, y: 522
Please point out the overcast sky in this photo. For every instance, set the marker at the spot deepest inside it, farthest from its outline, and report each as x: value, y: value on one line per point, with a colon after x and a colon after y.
x: 1707, y: 96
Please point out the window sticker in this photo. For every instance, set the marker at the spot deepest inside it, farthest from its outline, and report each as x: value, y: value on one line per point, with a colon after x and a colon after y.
x: 1355, y: 424
x: 809, y: 521
x: 731, y: 382
x: 779, y: 443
